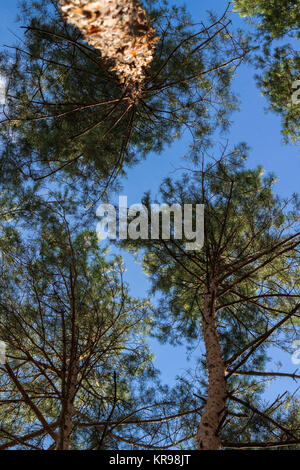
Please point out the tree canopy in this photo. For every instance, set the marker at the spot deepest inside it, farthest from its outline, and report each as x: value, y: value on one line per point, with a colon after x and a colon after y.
x: 79, y: 373
x: 71, y: 118
x: 277, y: 17
x: 75, y: 340
x: 239, y: 294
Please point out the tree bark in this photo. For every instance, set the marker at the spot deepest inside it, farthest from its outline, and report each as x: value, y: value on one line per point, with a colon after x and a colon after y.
x: 121, y: 30
x: 207, y: 434
x: 64, y: 441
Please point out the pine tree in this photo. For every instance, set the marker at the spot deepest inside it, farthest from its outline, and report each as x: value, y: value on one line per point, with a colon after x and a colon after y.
x: 75, y: 341
x: 236, y: 297
x: 68, y: 116
x: 78, y: 371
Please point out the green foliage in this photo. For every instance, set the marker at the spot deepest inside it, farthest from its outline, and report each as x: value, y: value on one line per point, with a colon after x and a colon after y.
x: 276, y: 17
x: 281, y: 73
x: 72, y: 329
x: 64, y: 307
x: 252, y: 208
x: 68, y: 116
x: 278, y: 67
x: 251, y: 252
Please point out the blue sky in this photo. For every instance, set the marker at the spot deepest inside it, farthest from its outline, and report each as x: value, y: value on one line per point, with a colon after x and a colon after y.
x: 260, y: 130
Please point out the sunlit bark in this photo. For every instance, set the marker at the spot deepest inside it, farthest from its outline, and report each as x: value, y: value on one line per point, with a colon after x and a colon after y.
x: 122, y: 32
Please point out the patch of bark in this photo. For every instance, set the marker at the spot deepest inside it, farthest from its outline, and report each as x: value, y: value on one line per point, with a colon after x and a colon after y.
x: 122, y: 32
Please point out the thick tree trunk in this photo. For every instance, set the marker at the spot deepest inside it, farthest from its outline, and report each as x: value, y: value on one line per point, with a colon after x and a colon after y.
x: 121, y: 30
x: 207, y: 434
x: 64, y: 441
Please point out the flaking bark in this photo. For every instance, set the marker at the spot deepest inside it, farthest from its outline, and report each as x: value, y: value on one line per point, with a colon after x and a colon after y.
x: 207, y: 434
x: 122, y: 32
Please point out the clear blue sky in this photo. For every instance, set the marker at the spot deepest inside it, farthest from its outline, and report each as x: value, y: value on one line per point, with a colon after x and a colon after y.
x: 252, y: 125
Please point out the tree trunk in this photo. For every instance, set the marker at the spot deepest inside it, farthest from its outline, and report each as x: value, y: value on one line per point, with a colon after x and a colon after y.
x: 207, y: 434
x: 64, y: 441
